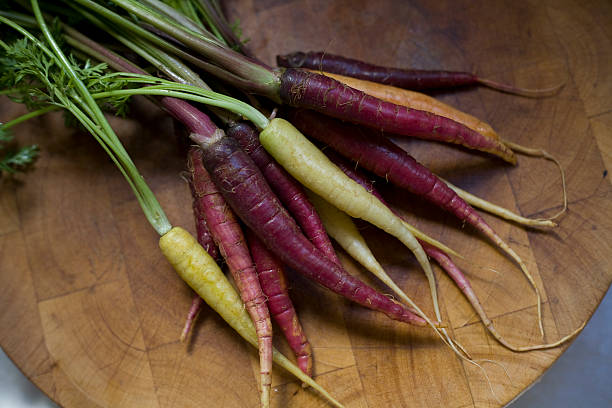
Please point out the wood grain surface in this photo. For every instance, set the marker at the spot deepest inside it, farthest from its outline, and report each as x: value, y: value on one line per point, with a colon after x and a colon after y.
x: 92, y: 313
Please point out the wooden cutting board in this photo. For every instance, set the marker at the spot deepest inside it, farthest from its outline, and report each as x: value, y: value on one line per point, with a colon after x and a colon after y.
x: 91, y: 312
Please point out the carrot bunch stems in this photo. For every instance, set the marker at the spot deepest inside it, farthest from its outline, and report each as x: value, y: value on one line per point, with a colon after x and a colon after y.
x: 298, y: 88
x: 220, y: 55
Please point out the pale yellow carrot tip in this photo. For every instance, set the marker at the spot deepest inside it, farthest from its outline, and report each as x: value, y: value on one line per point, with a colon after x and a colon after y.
x: 498, y: 210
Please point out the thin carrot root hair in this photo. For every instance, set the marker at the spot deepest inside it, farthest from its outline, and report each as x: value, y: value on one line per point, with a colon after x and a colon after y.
x: 192, y: 315
x: 466, y: 288
x: 528, y: 151
x: 510, y: 252
x: 526, y: 92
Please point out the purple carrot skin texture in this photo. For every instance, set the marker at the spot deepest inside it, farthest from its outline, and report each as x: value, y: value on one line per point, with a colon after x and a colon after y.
x: 463, y: 284
x: 203, y: 275
x: 413, y: 79
x: 229, y: 238
x: 379, y: 155
x: 274, y: 285
x: 313, y: 169
x: 287, y: 189
x: 352, y: 172
x: 205, y: 239
x: 310, y: 90
x: 247, y: 192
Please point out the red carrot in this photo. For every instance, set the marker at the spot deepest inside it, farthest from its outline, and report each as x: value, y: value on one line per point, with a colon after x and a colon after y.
x: 287, y: 189
x: 413, y: 79
x: 323, y: 94
x: 274, y: 285
x: 205, y: 239
x: 246, y: 191
x: 228, y: 236
x: 385, y: 159
x: 463, y: 284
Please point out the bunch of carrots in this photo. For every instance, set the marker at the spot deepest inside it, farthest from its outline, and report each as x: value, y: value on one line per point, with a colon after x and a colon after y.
x: 266, y: 197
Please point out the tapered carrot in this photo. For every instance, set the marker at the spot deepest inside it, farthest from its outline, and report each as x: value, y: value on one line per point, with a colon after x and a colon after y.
x: 274, y: 285
x: 287, y: 189
x: 207, y: 242
x: 310, y: 90
x: 246, y: 191
x: 415, y: 79
x: 419, y: 101
x: 228, y: 236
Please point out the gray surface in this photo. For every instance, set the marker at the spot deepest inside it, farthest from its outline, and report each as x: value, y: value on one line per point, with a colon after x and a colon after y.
x: 580, y: 378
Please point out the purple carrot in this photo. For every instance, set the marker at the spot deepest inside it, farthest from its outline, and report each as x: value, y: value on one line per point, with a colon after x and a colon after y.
x: 274, y: 285
x: 413, y: 79
x: 287, y: 189
x: 206, y: 240
x: 379, y: 155
x: 305, y: 89
x: 247, y: 192
x: 228, y: 236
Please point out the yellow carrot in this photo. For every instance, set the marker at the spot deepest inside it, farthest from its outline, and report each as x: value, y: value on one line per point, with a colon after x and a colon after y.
x: 313, y: 169
x: 343, y: 230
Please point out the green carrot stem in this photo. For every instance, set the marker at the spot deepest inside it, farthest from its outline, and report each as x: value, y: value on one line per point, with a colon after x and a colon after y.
x: 29, y: 115
x: 216, y: 71
x: 97, y: 124
x: 224, y: 57
x: 180, y: 20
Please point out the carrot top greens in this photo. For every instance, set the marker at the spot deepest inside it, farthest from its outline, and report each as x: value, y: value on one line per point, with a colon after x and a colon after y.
x: 41, y: 76
x: 44, y: 76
